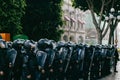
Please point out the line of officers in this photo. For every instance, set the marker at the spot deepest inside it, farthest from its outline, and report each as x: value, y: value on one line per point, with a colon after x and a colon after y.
x: 50, y: 60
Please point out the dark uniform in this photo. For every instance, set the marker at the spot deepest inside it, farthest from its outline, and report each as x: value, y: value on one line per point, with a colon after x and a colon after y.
x: 61, y: 53
x: 48, y: 66
x: 46, y: 60
x: 17, y: 45
x: 75, y: 69
x: 3, y: 53
x: 116, y: 55
x: 11, y: 57
x: 27, y: 52
x: 106, y: 64
x: 88, y: 60
x: 94, y: 73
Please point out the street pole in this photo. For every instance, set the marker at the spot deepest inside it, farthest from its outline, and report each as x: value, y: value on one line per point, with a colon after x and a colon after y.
x: 114, y: 16
x: 116, y: 40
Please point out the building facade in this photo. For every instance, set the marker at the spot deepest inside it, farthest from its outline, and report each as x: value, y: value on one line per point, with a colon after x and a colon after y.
x: 73, y: 27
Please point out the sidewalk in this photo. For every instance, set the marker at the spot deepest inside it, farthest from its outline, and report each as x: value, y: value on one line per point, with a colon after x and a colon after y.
x: 113, y: 76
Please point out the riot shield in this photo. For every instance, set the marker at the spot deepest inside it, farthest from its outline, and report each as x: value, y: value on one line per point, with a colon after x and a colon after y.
x: 11, y: 55
x: 50, y: 56
x: 41, y: 58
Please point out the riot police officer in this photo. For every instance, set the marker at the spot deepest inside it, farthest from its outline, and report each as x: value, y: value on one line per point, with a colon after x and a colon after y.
x: 28, y: 56
x: 116, y: 57
x: 11, y: 57
x: 47, y: 46
x: 17, y: 45
x: 3, y: 53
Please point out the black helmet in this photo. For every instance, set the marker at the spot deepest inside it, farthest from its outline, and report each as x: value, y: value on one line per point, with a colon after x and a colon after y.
x: 18, y: 43
x: 42, y: 44
x: 52, y: 44
x: 60, y: 44
x: 28, y: 44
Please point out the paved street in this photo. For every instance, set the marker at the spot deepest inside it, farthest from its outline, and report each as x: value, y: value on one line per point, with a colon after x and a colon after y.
x: 113, y: 76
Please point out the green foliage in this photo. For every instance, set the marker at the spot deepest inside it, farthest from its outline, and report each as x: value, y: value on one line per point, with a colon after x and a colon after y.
x: 42, y: 19
x: 11, y: 12
x: 80, y: 4
x: 97, y: 4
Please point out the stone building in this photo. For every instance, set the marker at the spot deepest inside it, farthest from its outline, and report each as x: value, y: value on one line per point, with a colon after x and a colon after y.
x: 74, y: 29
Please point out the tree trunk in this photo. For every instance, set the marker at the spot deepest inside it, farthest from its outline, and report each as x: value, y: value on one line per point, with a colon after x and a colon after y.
x: 97, y: 26
x: 99, y: 36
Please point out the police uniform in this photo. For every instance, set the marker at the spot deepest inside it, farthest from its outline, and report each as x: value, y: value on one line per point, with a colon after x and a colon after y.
x: 17, y: 45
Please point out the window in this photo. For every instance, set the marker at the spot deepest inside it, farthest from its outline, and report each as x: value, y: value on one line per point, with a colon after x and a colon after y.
x: 65, y: 38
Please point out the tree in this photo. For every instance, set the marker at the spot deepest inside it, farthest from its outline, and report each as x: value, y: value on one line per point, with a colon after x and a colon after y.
x: 11, y: 12
x: 42, y: 19
x: 101, y: 8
